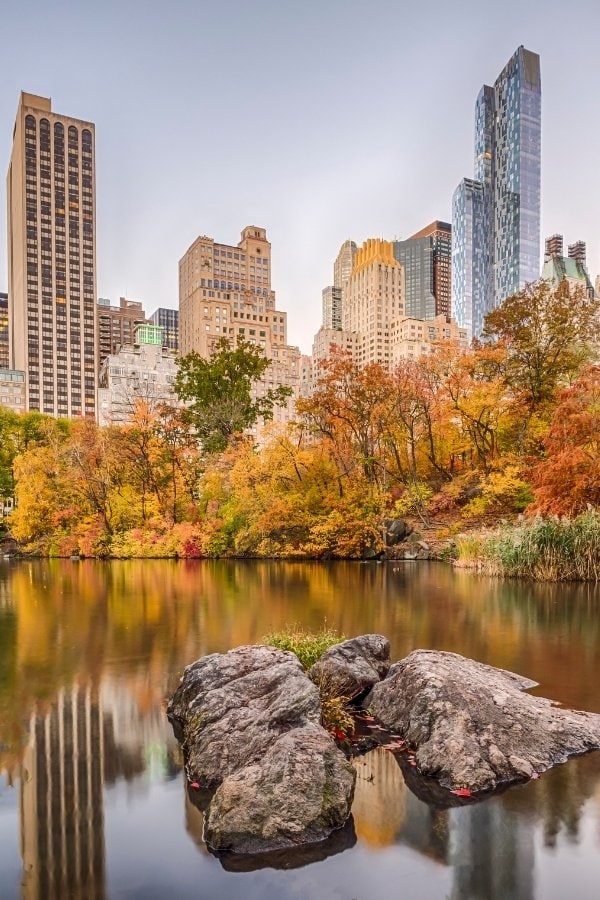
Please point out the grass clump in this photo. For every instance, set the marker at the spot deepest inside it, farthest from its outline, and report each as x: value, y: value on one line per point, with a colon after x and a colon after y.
x: 307, y: 645
x: 543, y: 549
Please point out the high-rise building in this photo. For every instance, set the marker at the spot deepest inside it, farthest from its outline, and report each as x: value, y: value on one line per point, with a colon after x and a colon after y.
x: 344, y: 263
x: 52, y: 258
x: 225, y: 292
x: 426, y: 259
x: 440, y: 235
x: 117, y: 324
x: 332, y: 307
x: 374, y: 299
x: 168, y: 320
x: 496, y: 216
x: 4, y: 346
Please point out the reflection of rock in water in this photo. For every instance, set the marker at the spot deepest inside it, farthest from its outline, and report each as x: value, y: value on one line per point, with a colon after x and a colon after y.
x: 194, y: 823
x: 291, y: 858
x: 491, y: 854
x: 62, y: 828
x: 379, y: 798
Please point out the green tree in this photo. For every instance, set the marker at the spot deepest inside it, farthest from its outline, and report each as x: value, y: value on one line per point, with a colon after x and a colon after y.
x: 218, y: 392
x: 549, y: 333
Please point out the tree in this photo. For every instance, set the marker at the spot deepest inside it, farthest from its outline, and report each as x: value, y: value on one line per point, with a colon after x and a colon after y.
x: 568, y: 480
x: 549, y: 333
x: 218, y: 392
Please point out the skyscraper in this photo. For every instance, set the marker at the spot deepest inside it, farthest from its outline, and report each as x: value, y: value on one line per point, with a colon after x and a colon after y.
x: 426, y: 258
x: 225, y: 292
x: 52, y: 258
x: 496, y: 215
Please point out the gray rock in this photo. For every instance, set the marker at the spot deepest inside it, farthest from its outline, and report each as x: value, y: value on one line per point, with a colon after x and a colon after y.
x: 250, y: 726
x: 472, y: 725
x: 232, y: 706
x: 396, y: 531
x: 298, y: 793
x: 353, y: 667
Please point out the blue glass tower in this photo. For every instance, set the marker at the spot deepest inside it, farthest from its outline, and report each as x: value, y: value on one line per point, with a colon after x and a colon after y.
x: 496, y: 237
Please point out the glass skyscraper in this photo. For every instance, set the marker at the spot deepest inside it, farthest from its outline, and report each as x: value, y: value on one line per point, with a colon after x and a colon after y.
x: 496, y: 215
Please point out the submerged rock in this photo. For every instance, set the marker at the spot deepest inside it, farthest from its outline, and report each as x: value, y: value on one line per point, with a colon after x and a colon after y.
x: 472, y: 725
x: 250, y: 727
x: 353, y: 667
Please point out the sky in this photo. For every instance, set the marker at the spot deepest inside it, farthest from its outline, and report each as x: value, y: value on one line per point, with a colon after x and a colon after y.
x: 319, y: 120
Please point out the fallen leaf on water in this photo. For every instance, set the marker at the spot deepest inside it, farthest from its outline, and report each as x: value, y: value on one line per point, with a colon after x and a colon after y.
x: 535, y: 775
x: 462, y: 792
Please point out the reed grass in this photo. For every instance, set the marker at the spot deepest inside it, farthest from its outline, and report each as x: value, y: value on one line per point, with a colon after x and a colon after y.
x: 552, y: 549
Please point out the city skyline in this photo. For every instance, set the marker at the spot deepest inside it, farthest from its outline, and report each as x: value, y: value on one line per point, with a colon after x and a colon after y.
x: 320, y: 176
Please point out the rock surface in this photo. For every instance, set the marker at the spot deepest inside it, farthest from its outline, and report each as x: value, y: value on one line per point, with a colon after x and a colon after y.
x: 297, y: 793
x: 472, y: 725
x: 353, y: 667
x: 250, y: 726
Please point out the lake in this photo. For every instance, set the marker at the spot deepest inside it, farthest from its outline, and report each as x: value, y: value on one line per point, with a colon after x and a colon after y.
x: 93, y: 802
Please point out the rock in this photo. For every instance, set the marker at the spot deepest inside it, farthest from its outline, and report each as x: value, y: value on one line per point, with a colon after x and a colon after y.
x: 396, y: 531
x: 472, y: 725
x: 298, y: 793
x: 234, y: 705
x: 249, y: 722
x: 351, y: 668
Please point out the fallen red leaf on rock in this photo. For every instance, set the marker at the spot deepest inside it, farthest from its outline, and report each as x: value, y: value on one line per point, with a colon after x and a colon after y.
x: 462, y: 792
x: 195, y: 785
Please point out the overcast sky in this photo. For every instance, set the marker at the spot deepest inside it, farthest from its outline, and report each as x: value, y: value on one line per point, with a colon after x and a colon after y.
x: 319, y: 120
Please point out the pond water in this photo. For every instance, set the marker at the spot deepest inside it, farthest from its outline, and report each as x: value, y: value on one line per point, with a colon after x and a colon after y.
x: 93, y: 801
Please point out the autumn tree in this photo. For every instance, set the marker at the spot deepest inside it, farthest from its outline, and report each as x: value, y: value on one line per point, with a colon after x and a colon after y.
x: 218, y: 392
x: 549, y: 332
x: 567, y: 481
x: 347, y: 409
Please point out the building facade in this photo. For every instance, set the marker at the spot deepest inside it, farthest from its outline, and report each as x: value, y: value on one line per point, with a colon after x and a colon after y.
x: 52, y: 258
x: 12, y: 390
x: 4, y: 345
x: 332, y: 307
x: 496, y: 216
x: 411, y: 338
x: 144, y: 370
x: 426, y: 259
x: 374, y: 298
x: 571, y: 268
x: 168, y: 320
x: 225, y: 292
x: 116, y: 325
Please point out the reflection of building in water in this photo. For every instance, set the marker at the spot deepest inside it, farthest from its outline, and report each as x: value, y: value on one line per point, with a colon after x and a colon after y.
x: 62, y: 828
x: 386, y: 812
x: 379, y: 798
x: 491, y: 853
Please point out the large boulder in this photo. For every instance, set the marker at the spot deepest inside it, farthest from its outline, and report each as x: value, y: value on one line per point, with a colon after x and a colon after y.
x: 250, y: 727
x: 351, y: 668
x: 232, y: 706
x: 472, y: 725
x: 296, y: 794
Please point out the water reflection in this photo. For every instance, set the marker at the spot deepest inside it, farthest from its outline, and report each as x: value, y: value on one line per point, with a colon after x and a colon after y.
x: 89, y: 651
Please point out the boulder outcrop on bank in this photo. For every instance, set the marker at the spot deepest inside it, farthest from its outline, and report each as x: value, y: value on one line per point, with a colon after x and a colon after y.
x: 250, y: 727
x: 472, y: 725
x: 351, y: 668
